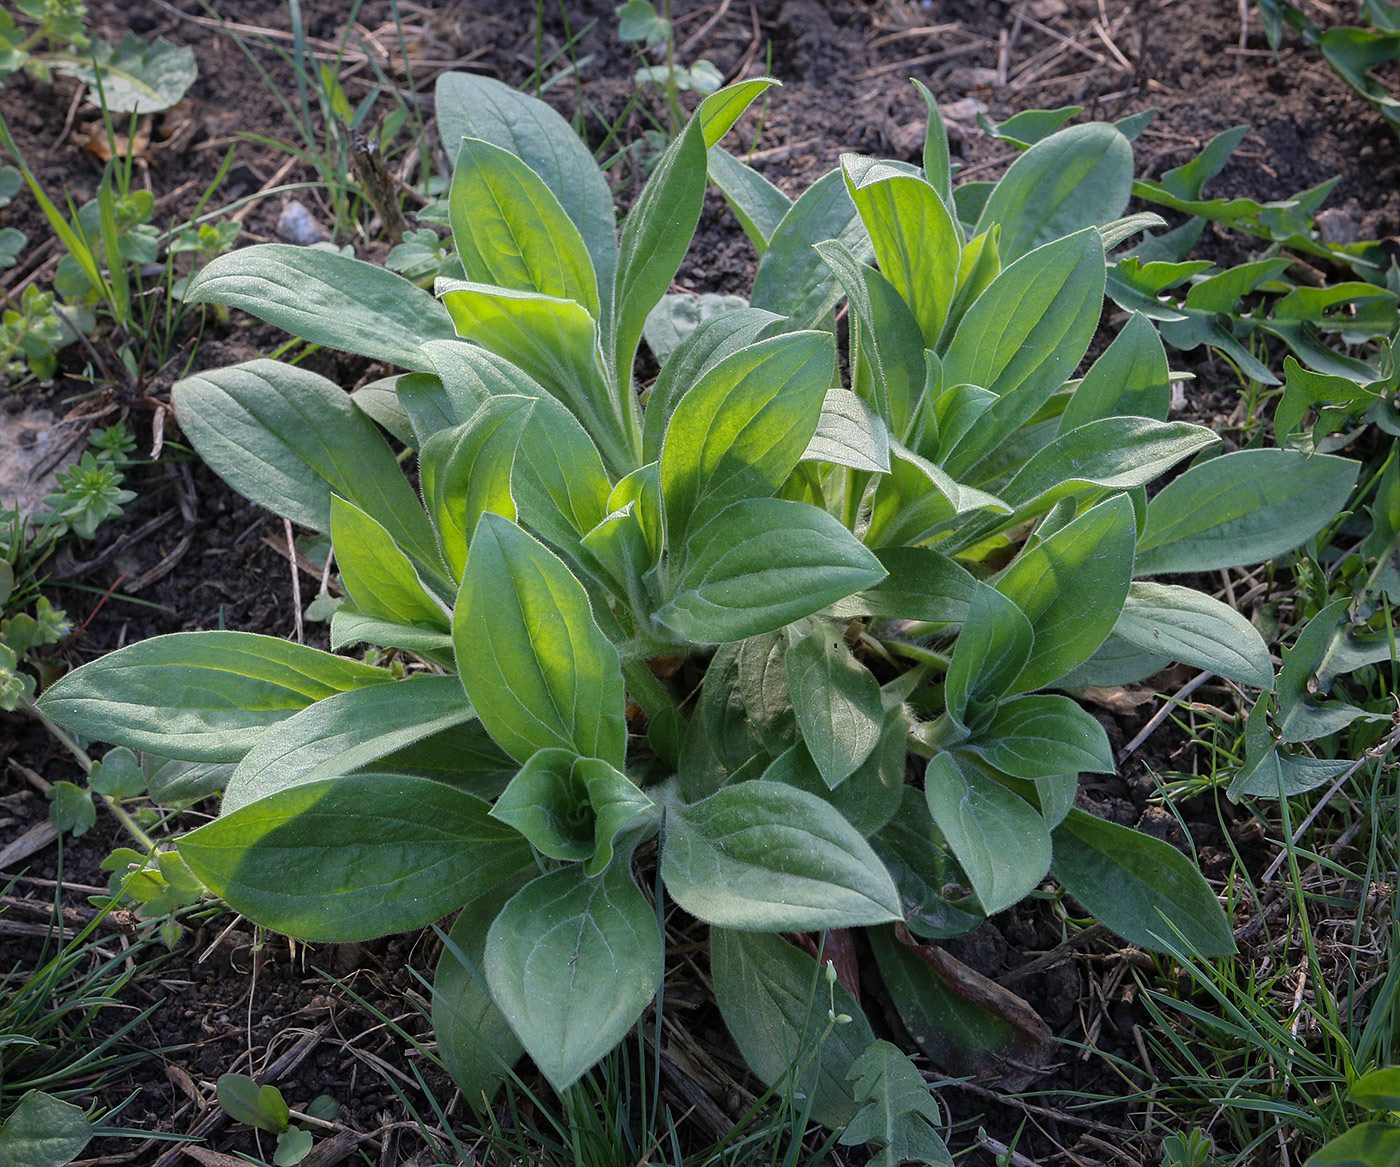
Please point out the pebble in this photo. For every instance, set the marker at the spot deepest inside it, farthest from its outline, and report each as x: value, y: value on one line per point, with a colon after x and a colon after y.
x: 297, y: 225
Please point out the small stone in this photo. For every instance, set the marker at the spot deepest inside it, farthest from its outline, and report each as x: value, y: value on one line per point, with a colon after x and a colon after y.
x: 1336, y: 227
x: 297, y: 225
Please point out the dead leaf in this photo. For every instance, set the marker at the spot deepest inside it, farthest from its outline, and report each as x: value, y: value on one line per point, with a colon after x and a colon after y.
x: 1115, y: 698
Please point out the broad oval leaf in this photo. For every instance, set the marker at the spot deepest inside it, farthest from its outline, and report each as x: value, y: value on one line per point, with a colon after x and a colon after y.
x: 1043, y: 736
x: 792, y: 279
x: 538, y: 669
x: 347, y: 731
x: 991, y: 651
x: 1131, y: 378
x: 328, y: 299
x: 572, y: 960
x: 850, y: 433
x: 1079, y: 177
x: 1072, y: 586
x: 44, y: 1131
x: 289, y: 439
x: 1000, y: 841
x: 743, y: 426
x: 354, y: 857
x: 511, y: 230
x: 774, y: 1003
x: 199, y: 696
x: 765, y: 856
x: 1242, y: 507
x: 714, y: 339
x: 1131, y: 881
x: 836, y: 701
x: 466, y: 471
x: 914, y: 236
x: 762, y: 563
x: 1023, y: 337
x: 377, y: 575
x: 469, y: 105
x: 1196, y: 629
x: 1113, y: 453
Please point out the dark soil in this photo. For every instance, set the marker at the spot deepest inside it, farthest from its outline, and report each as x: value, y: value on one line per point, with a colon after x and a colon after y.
x: 192, y: 555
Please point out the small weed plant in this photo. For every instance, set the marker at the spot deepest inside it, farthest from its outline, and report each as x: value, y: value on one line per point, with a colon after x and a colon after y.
x: 795, y: 650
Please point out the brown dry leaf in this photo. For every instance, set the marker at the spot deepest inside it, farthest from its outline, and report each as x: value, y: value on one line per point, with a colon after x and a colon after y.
x: 93, y: 138
x: 1116, y: 698
x: 213, y: 1158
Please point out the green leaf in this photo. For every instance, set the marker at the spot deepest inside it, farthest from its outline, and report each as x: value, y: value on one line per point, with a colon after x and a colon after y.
x: 1371, y: 1144
x: 757, y: 203
x: 511, y: 231
x: 1138, y: 886
x: 1243, y: 507
x: 1023, y: 130
x: 476, y: 1042
x: 849, y: 433
x: 655, y: 237
x: 937, y: 166
x: 1304, y: 713
x: 379, y: 577
x: 198, y: 696
x: 1130, y: 378
x: 918, y: 500
x: 118, y: 775
x: 999, y: 840
x: 289, y: 439
x: 572, y: 961
x: 792, y: 279
x: 898, y: 1113
x: 347, y: 731
x: 354, y: 857
x: 293, y: 1145
x: 774, y: 1002
x: 71, y: 809
x: 1079, y: 177
x: 469, y: 105
x: 243, y: 1100
x: 555, y: 342
x: 678, y: 314
x: 536, y: 666
x: 715, y: 338
x: 869, y: 798
x: 1377, y: 1090
x: 350, y: 626
x: 569, y: 807
x: 326, y: 298
x: 135, y: 75
x: 637, y: 20
x: 1111, y: 453
x: 762, y: 563
x: 1023, y: 337
x: 742, y: 427
x: 1192, y: 627
x: 767, y: 856
x: 466, y: 471
x: 922, y: 584
x: 837, y: 703
x: 914, y: 236
x: 1042, y: 737
x: 1072, y: 587
x: 888, y: 366
x: 169, y: 781
x: 990, y: 653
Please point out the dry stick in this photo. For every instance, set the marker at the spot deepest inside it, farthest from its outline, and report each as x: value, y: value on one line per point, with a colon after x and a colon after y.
x: 1375, y: 753
x: 1161, y: 715
x: 925, y: 59
x: 296, y: 580
x: 694, y: 38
